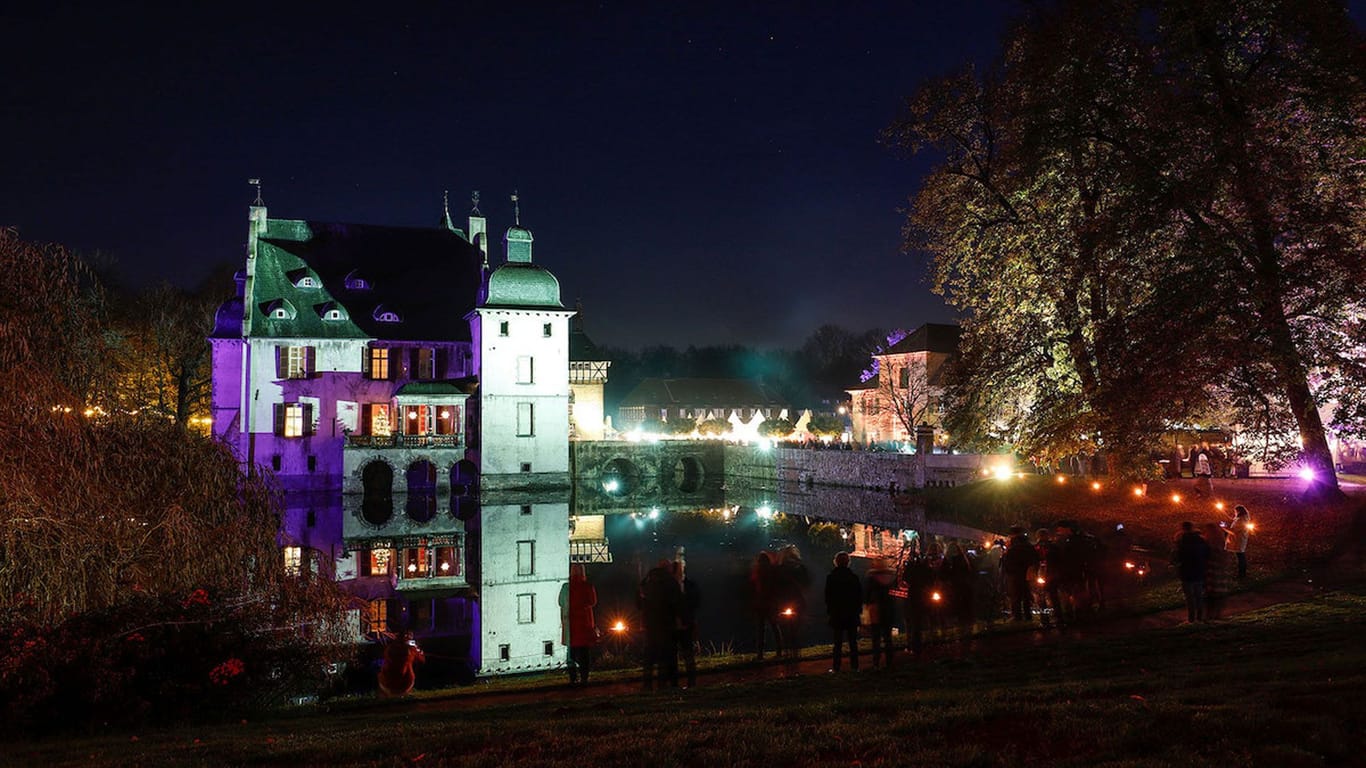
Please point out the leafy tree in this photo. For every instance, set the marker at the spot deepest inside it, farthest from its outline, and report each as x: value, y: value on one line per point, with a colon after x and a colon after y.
x: 1142, y: 207
x: 714, y: 427
x: 825, y: 425
x: 776, y: 428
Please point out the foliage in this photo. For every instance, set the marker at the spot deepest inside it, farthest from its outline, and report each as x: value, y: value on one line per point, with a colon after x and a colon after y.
x: 714, y: 427
x: 1145, y: 211
x: 825, y: 425
x: 103, y: 515
x: 776, y: 428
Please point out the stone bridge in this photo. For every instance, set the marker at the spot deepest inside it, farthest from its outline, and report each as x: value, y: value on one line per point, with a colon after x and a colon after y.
x: 617, y: 476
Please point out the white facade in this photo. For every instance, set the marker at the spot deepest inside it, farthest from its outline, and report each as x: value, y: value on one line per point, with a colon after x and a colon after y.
x: 525, y: 564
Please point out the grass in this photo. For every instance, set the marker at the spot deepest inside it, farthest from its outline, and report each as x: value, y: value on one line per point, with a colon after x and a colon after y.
x: 1275, y: 687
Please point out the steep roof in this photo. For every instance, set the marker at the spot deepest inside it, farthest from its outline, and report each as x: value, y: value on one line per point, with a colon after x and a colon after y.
x: 581, y: 348
x: 702, y: 393
x: 930, y: 337
x: 400, y: 283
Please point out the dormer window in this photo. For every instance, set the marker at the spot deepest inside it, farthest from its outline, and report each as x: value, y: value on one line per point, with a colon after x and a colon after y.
x: 385, y: 315
x: 279, y: 309
x: 330, y: 311
x: 354, y: 282
x: 302, y: 278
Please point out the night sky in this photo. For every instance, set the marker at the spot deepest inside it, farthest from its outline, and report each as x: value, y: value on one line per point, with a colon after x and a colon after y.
x: 698, y: 174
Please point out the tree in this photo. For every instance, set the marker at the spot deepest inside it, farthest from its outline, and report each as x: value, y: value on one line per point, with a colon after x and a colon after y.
x: 713, y: 427
x: 825, y: 425
x: 1098, y: 223
x: 776, y: 428
x: 105, y: 511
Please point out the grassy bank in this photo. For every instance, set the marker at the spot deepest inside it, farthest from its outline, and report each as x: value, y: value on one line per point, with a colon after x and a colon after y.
x: 1275, y: 687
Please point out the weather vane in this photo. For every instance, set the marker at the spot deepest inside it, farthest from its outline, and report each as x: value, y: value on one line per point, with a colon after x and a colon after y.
x: 257, y: 183
x: 516, y: 210
x: 474, y: 200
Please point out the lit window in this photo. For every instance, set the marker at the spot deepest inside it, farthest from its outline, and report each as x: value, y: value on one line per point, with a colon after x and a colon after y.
x: 381, y: 562
x: 379, y: 363
x: 414, y: 563
x: 526, y: 554
x: 446, y: 562
x: 545, y: 330
x: 375, y: 618
x: 377, y: 414
x: 525, y: 420
x: 525, y: 373
x: 503, y: 328
x: 294, y: 420
x: 526, y: 609
x: 294, y: 561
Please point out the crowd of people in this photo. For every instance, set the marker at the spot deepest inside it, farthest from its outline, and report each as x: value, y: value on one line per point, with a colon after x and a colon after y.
x: 1063, y: 575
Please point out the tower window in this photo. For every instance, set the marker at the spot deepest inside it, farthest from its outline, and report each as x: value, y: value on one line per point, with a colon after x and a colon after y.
x: 545, y: 330
x: 526, y: 422
x: 525, y: 370
x: 503, y: 328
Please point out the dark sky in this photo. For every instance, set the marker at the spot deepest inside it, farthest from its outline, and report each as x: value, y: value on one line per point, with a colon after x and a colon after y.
x: 698, y: 173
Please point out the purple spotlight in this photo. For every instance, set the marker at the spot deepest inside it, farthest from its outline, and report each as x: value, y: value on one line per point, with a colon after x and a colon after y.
x: 1306, y: 474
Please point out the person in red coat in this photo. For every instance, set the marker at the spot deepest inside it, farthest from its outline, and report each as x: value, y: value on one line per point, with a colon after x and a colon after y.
x: 580, y: 629
x: 396, y: 675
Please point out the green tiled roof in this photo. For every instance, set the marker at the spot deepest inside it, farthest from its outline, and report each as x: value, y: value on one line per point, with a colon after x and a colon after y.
x: 463, y: 386
x: 427, y: 278
x: 523, y: 284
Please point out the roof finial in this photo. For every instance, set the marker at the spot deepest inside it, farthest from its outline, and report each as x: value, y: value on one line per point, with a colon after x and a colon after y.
x: 257, y: 183
x: 446, y: 209
x: 516, y: 210
x: 474, y: 201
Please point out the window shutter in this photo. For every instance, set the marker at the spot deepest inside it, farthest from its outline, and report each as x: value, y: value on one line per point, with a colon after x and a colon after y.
x: 365, y: 361
x: 279, y: 419
x: 443, y: 363
x: 308, y: 418
x: 310, y: 362
x: 363, y: 563
x: 279, y: 361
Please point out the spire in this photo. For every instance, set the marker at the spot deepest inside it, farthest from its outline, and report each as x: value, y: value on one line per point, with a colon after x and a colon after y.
x: 446, y: 210
x: 257, y: 183
x: 576, y: 322
x: 474, y: 204
x: 516, y: 210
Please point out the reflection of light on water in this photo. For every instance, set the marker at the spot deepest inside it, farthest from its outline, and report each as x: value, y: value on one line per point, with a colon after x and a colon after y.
x: 618, y: 626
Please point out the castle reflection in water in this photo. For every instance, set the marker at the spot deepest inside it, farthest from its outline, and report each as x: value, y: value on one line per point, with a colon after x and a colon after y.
x: 479, y: 577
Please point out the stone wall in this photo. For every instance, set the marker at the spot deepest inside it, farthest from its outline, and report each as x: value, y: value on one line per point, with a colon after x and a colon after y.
x: 851, y: 469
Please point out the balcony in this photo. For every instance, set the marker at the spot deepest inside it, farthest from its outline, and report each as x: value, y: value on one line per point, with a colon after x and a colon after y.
x: 403, y: 441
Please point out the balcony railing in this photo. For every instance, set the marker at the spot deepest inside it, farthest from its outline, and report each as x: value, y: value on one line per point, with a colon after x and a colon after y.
x: 403, y: 441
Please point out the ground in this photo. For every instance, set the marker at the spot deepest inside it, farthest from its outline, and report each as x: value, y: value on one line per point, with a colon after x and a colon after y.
x: 1277, y: 683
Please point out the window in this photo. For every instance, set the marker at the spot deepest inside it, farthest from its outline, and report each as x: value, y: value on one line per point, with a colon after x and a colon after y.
x: 503, y: 328
x: 526, y: 554
x: 905, y: 374
x: 525, y: 370
x: 378, y: 359
x: 526, y: 466
x: 375, y: 617
x: 294, y: 419
x: 548, y: 648
x: 381, y: 562
x: 414, y: 563
x: 377, y: 420
x: 446, y: 562
x: 526, y: 609
x: 424, y: 363
x: 293, y: 362
x: 504, y: 652
x: 545, y: 330
x: 294, y: 561
x: 526, y: 426
x: 526, y: 509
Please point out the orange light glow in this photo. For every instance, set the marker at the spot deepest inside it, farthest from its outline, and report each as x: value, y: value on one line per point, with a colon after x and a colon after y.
x: 935, y: 596
x: 1040, y: 580
x: 788, y: 612
x: 1138, y: 491
x: 1095, y: 486
x: 1176, y: 498
x: 1130, y: 566
x: 619, y: 626
x: 1061, y: 479
x: 1250, y: 526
